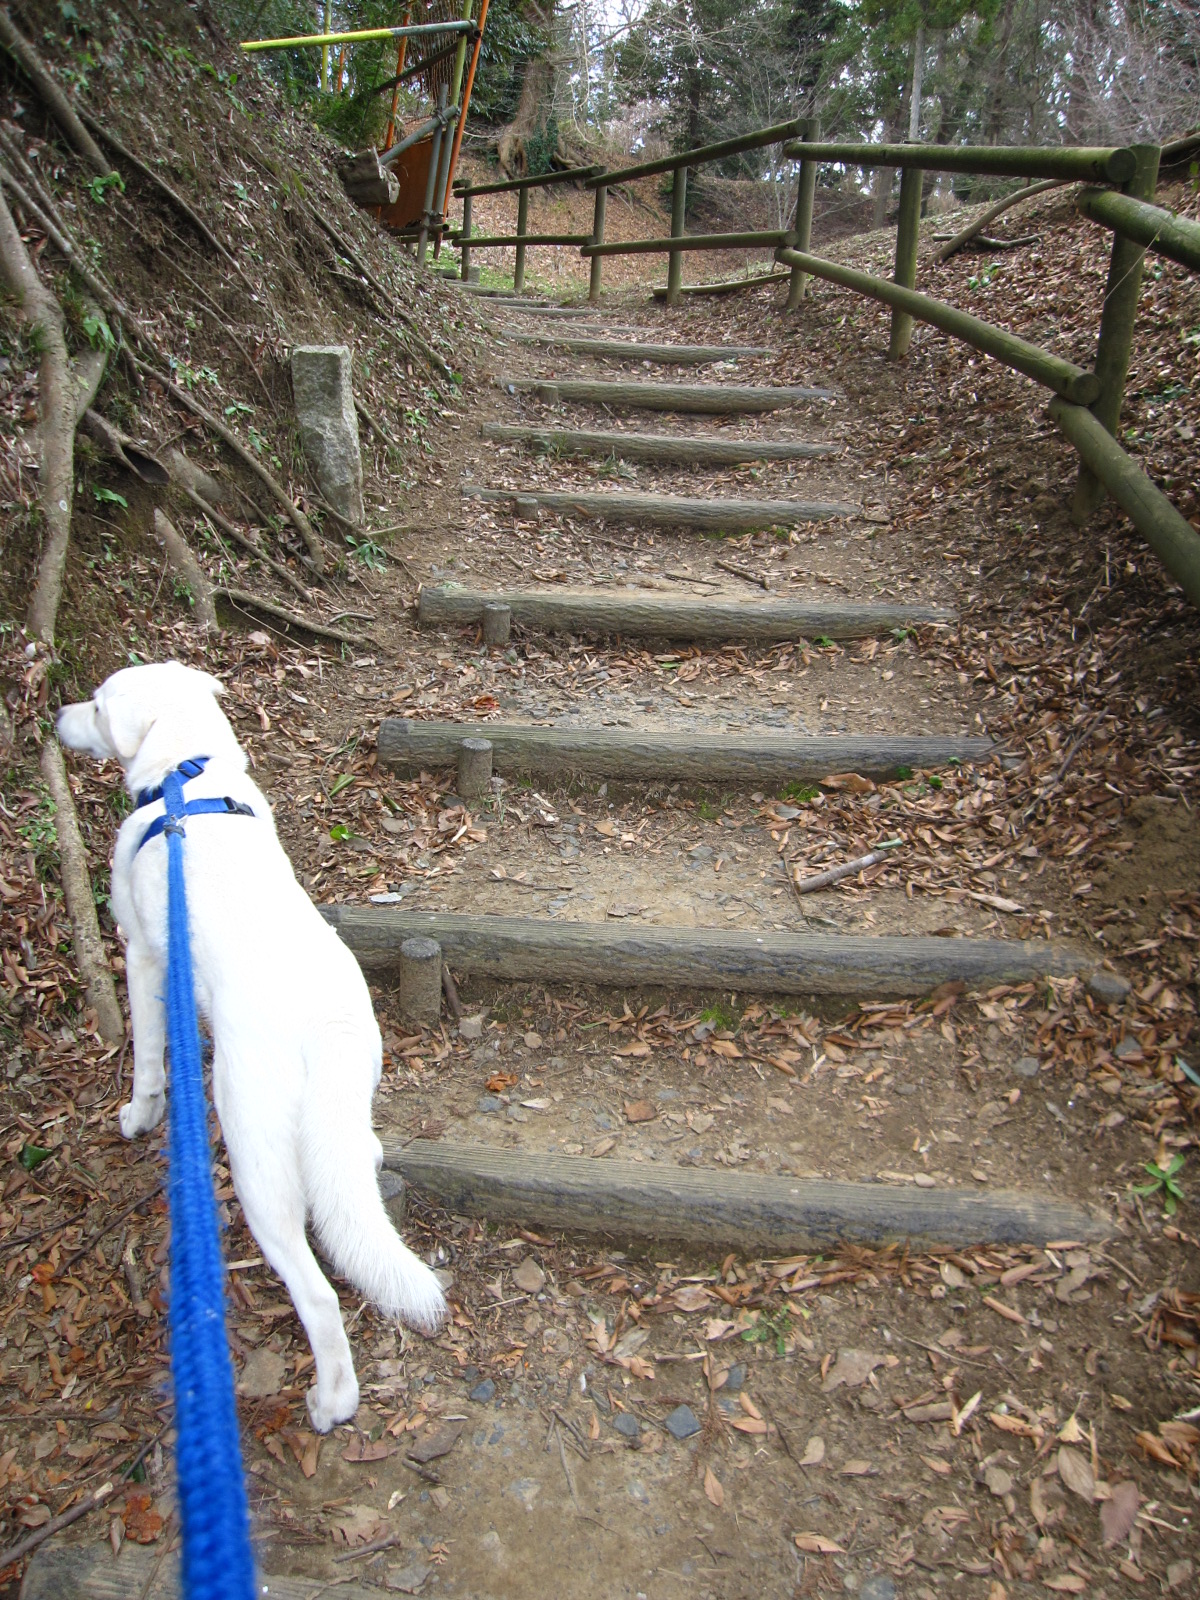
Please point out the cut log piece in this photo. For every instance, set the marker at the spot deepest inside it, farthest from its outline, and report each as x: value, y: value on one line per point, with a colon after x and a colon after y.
x: 725, y: 286
x: 678, y: 617
x: 366, y: 182
x: 719, y: 1210
x: 703, y: 449
x: 527, y: 949
x: 673, y: 355
x: 711, y: 399
x: 92, y: 1572
x: 667, y: 510
x: 755, y: 759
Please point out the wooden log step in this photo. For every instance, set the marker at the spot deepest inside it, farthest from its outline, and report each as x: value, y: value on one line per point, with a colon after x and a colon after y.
x: 711, y: 399
x: 666, y: 510
x: 547, y: 311
x: 676, y: 616
x: 674, y: 355
x: 860, y: 967
x: 720, y: 1210
x: 140, y: 1572
x: 707, y: 449
x: 751, y: 759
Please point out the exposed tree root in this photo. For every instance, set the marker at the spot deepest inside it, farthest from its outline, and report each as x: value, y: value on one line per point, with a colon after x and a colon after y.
x: 297, y: 518
x: 51, y: 95
x: 183, y: 564
x: 236, y: 536
x: 241, y: 598
x: 81, y: 904
x: 992, y: 212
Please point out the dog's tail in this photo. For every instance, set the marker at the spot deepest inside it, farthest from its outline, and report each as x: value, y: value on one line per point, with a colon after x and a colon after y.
x: 339, y: 1156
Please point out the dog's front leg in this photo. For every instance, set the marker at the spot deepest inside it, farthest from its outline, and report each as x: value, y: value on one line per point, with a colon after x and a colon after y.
x: 146, y: 988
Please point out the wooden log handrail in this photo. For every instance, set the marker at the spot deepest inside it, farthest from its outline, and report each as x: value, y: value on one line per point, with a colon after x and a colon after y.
x: 1064, y: 377
x: 1159, y: 230
x: 702, y: 155
x: 763, y: 238
x: 1080, y: 163
x: 542, y: 181
x: 476, y: 241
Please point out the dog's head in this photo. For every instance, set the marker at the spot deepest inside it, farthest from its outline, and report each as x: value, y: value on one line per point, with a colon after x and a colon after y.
x: 158, y: 714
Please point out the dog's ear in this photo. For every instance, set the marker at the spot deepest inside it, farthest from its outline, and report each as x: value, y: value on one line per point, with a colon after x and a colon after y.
x: 126, y: 715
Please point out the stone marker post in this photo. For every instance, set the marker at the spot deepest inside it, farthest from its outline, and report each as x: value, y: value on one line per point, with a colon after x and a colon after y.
x: 324, y: 393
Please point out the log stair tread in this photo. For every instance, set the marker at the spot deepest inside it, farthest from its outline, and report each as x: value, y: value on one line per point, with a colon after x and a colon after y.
x: 706, y: 448
x: 714, y: 399
x: 753, y: 758
x: 680, y: 616
x: 619, y: 505
x: 663, y: 354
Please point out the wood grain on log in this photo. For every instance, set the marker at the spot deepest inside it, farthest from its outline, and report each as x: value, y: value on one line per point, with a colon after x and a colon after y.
x: 719, y: 1210
x: 554, y: 951
x: 759, y: 759
x: 670, y: 510
x: 92, y: 1572
x: 703, y: 448
x: 679, y: 616
x: 710, y: 399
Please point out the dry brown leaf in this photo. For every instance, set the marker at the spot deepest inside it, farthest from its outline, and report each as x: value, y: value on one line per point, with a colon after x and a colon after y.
x: 361, y: 1449
x: 641, y: 1110
x: 814, y: 1452
x: 1119, y: 1512
x: 713, y: 1488
x: 852, y: 1367
x: 1075, y: 1470
x: 816, y: 1544
x: 1066, y: 1583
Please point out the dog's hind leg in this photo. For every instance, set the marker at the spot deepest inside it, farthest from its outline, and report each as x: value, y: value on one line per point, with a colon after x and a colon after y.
x: 147, y: 987
x: 267, y: 1183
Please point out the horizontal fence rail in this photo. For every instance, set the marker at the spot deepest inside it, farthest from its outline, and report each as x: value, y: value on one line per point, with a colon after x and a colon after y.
x: 1161, y: 231
x: 1086, y: 403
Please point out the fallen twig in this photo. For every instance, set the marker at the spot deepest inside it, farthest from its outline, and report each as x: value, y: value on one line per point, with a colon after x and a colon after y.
x: 822, y: 880
x: 744, y: 572
x: 384, y: 1543
x: 235, y: 534
x: 993, y: 211
x: 451, y: 989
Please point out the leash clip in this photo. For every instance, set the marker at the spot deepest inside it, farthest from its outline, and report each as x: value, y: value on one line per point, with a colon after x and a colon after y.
x: 174, y: 825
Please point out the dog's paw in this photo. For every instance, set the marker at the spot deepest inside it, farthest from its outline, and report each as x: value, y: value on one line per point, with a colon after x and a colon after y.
x: 139, y: 1116
x: 325, y: 1411
x: 425, y: 1308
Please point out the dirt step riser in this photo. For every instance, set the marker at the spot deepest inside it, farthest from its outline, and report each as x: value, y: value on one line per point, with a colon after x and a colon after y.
x: 717, y: 1210
x: 705, y: 449
x: 762, y: 760
x: 673, y: 355
x: 667, y: 510
x: 524, y: 950
x: 708, y: 399
x: 699, y: 621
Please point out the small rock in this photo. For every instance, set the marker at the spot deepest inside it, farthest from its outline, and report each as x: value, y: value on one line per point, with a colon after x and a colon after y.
x: 735, y: 1377
x: 1108, y: 987
x: 533, y: 1041
x: 1128, y: 1050
x: 526, y: 1490
x: 410, y: 1578
x: 627, y: 1425
x: 529, y: 1277
x: 517, y: 1114
x: 1027, y: 1067
x: 483, y: 1392
x: 395, y: 1196
x: 924, y: 1180
x: 682, y: 1423
x: 488, y: 1103
x: 880, y: 1587
x: 471, y: 1028
x: 998, y: 1481
x: 445, y: 1279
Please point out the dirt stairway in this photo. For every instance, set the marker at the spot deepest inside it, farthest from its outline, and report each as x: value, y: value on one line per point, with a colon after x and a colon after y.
x: 487, y: 944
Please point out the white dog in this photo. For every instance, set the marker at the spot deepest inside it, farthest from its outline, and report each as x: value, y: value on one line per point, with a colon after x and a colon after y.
x: 297, y: 1048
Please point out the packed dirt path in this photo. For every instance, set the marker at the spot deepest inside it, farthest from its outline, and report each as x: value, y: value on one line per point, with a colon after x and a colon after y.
x: 629, y: 1417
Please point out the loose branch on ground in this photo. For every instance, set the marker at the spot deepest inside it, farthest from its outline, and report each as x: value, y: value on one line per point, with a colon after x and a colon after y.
x: 992, y: 212
x: 822, y: 880
x: 240, y: 597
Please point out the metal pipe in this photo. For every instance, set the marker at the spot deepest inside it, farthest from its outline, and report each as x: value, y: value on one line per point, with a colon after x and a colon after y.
x: 466, y: 99
x: 435, y: 151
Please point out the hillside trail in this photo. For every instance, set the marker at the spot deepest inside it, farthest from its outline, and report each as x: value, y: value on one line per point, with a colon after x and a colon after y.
x: 630, y: 1417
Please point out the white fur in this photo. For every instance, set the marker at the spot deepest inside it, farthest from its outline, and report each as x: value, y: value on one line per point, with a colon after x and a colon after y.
x: 297, y: 1049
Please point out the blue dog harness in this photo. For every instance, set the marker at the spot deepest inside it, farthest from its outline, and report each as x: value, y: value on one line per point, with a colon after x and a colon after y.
x: 168, y: 823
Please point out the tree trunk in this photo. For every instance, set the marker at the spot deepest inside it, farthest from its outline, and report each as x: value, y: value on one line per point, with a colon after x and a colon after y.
x: 918, y: 81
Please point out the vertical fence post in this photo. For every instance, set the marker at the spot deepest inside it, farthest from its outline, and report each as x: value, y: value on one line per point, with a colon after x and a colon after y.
x: 806, y: 190
x: 441, y: 183
x: 597, y: 238
x: 522, y: 230
x: 675, y: 259
x: 464, y: 246
x: 435, y: 152
x: 1115, y: 344
x: 906, y: 256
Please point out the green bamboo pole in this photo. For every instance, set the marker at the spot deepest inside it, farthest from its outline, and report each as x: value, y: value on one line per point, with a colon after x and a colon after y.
x: 464, y: 238
x: 1159, y: 230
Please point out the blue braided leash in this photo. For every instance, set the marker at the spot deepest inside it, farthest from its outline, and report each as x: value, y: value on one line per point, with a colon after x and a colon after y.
x: 217, y: 1560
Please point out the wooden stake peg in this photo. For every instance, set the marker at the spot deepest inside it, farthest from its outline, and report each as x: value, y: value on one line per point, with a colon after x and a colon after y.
x: 474, y: 768
x: 420, y: 980
x: 497, y: 624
